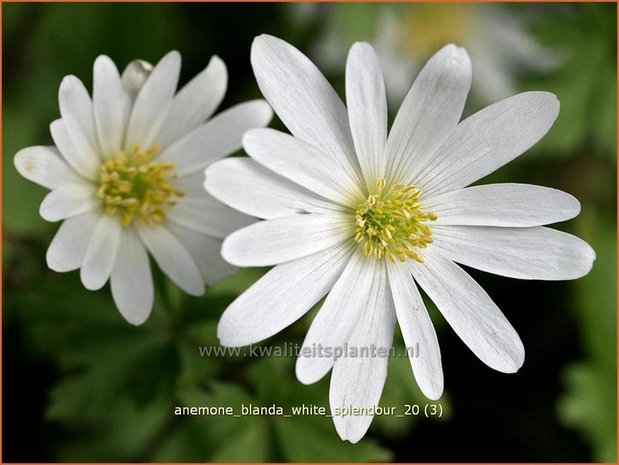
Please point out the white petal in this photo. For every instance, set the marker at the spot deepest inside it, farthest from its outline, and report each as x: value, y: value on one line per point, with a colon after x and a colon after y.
x: 487, y: 140
x: 367, y: 110
x: 111, y: 105
x: 67, y: 249
x: 247, y: 186
x: 195, y: 102
x: 359, y: 289
x: 153, y: 102
x: 302, y: 98
x: 101, y: 252
x: 192, y: 184
x: 280, y: 240
x: 172, y: 257
x: 429, y: 113
x: 515, y: 205
x: 417, y: 331
x: 68, y: 200
x: 207, y: 215
x: 86, y: 163
x: 359, y: 381
x: 45, y: 166
x: 78, y: 116
x: 304, y: 164
x: 206, y: 253
x: 131, y: 281
x: 217, y: 138
x: 524, y: 253
x: 281, y: 297
x: 470, y: 312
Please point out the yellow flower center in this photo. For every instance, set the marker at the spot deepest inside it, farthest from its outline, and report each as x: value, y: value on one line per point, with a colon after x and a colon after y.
x: 134, y: 186
x: 427, y: 27
x: 392, y: 224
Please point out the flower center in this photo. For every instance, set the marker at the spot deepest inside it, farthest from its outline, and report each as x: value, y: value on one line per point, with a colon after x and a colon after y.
x: 426, y: 28
x: 134, y: 186
x: 392, y: 224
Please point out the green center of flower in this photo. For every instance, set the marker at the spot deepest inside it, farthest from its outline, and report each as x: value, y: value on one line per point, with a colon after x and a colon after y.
x: 134, y: 186
x: 391, y: 223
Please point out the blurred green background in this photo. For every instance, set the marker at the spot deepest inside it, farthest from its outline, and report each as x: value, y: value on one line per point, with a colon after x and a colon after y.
x: 80, y: 384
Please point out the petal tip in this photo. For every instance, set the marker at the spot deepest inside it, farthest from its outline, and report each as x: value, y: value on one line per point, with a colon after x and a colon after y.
x: 303, y: 372
x: 68, y: 85
x: 228, y: 333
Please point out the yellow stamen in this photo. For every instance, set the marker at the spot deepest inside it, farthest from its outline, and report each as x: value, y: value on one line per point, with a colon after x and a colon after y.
x: 391, y: 223
x: 134, y: 186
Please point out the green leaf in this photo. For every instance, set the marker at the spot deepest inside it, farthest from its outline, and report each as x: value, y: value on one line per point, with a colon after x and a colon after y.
x: 314, y: 439
x: 589, y: 401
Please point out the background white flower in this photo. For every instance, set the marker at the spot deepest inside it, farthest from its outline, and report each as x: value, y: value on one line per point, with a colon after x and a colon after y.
x: 126, y: 177
x: 360, y: 215
x: 499, y: 41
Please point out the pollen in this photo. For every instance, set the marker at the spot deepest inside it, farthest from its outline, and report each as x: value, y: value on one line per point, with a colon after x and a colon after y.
x: 136, y: 188
x: 391, y: 223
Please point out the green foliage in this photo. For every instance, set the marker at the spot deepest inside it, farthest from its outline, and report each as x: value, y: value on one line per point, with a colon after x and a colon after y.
x: 586, y: 83
x: 590, y: 401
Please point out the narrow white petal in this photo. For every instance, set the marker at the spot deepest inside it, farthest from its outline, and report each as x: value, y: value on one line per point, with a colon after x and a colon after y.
x: 111, y: 106
x: 217, y: 138
x: 245, y: 185
x: 417, y: 331
x: 67, y: 249
x: 430, y: 111
x: 524, y: 253
x: 302, y: 98
x: 510, y: 205
x: 86, y: 163
x: 45, y: 166
x: 487, y: 140
x: 195, y: 102
x: 100, y: 252
x: 172, y: 257
x: 359, y: 381
x: 281, y: 297
x: 78, y: 116
x: 367, y: 110
x: 153, y: 102
x: 304, y: 164
x: 191, y: 184
x: 207, y: 215
x: 131, y: 280
x: 359, y: 289
x: 470, y: 312
x: 280, y: 240
x: 206, y: 252
x: 68, y: 200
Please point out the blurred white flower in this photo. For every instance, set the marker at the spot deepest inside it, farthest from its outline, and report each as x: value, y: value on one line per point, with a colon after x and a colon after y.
x: 126, y: 177
x: 362, y: 215
x: 405, y: 36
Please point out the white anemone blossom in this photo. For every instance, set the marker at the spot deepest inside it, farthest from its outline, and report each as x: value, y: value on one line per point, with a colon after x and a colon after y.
x: 364, y: 217
x: 499, y: 41
x: 126, y: 176
x: 500, y: 44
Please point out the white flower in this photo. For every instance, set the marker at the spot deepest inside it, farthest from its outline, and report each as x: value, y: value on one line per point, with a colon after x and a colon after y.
x: 126, y: 177
x: 363, y: 217
x: 499, y: 42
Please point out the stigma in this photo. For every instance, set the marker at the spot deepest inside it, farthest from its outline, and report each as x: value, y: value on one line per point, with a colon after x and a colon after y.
x: 392, y: 224
x: 135, y: 187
